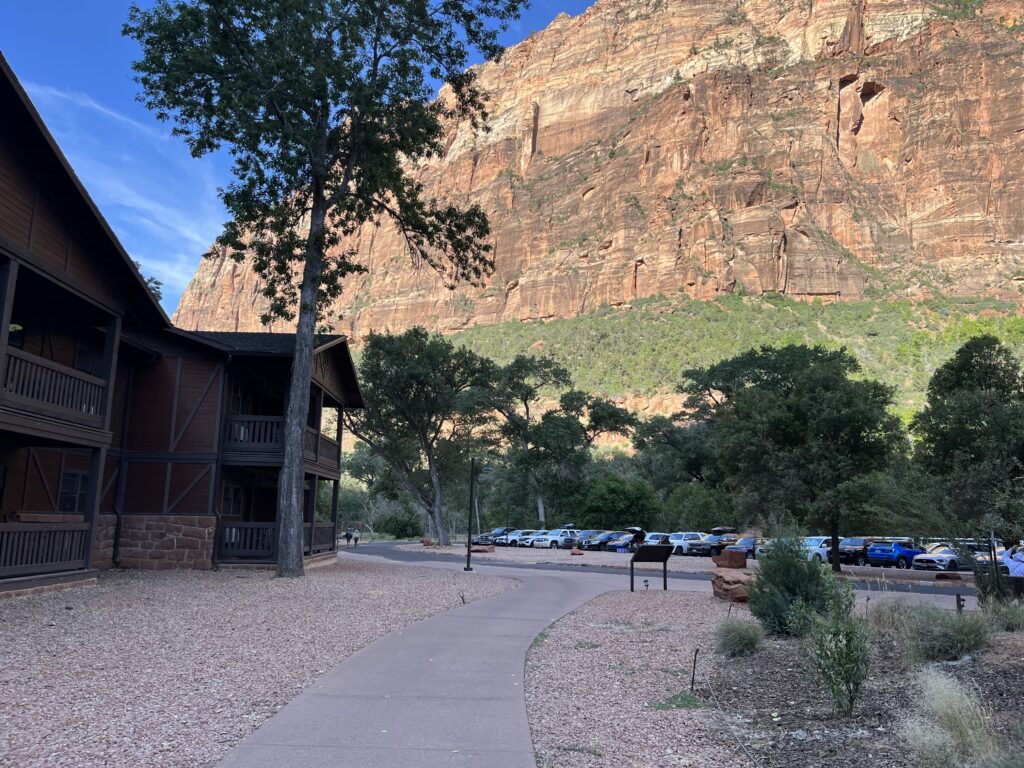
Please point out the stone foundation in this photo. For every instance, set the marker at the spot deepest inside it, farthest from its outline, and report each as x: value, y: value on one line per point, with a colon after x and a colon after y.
x: 103, y: 542
x: 155, y: 542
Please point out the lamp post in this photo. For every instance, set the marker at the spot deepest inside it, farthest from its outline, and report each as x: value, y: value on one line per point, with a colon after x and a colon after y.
x: 469, y: 515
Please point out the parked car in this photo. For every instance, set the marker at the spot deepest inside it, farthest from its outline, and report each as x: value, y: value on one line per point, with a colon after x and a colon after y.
x: 747, y: 545
x: 560, y: 538
x: 983, y: 561
x: 763, y: 547
x: 681, y: 541
x: 656, y: 538
x: 582, y: 536
x: 527, y: 541
x: 937, y: 557
x: 600, y: 541
x: 516, y: 537
x: 853, y: 550
x: 893, y: 552
x: 621, y: 539
x: 511, y: 538
x: 490, y: 536
x: 714, y: 542
x: 818, y: 548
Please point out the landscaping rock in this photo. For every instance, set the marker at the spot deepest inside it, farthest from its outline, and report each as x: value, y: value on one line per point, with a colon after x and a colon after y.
x: 482, y: 549
x: 576, y: 551
x: 731, y: 584
x: 730, y: 560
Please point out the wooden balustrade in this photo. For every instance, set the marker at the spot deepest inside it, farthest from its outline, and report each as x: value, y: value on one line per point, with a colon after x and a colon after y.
x: 254, y: 433
x: 246, y: 541
x: 323, y: 538
x: 53, y: 387
x: 30, y: 549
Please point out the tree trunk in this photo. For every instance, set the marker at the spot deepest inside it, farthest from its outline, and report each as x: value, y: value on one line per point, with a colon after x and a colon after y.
x: 289, y: 489
x: 435, y: 511
x: 834, y: 531
x: 540, y: 509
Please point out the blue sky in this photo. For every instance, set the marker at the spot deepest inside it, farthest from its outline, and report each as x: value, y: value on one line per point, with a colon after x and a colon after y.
x: 162, y: 203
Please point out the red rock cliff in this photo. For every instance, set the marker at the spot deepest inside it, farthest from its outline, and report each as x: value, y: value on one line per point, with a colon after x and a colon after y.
x: 645, y: 147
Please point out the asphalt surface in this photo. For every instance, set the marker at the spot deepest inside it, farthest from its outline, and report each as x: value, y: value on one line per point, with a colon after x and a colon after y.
x: 390, y: 550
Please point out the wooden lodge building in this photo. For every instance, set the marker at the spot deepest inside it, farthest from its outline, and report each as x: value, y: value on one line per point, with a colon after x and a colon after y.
x: 124, y: 440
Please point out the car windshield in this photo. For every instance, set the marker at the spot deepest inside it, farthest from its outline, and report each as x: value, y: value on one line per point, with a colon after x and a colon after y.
x: 540, y: 533
x: 712, y: 538
x: 746, y: 541
x: 934, y: 549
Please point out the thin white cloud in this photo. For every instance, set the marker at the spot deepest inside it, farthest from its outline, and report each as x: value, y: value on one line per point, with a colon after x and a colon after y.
x: 40, y: 92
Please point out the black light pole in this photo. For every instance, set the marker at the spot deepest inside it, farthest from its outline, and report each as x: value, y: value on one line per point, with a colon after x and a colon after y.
x: 469, y: 514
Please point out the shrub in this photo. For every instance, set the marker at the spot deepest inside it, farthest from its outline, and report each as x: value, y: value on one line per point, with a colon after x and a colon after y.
x: 934, y: 634
x: 403, y: 526
x: 1008, y: 616
x: 992, y: 586
x: 736, y: 637
x: 838, y: 650
x: 949, y: 725
x: 786, y: 578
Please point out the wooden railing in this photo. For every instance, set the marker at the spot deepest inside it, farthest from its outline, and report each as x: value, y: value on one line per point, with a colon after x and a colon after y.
x: 257, y: 542
x: 29, y: 549
x: 246, y: 541
x: 254, y: 433
x: 323, y: 538
x: 309, y: 443
x: 330, y: 451
x: 53, y: 386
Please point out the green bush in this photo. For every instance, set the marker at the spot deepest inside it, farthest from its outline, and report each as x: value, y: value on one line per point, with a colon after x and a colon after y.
x: 401, y: 526
x: 612, y: 503
x: 786, y: 579
x: 736, y: 637
x: 838, y: 649
x: 1008, y: 616
x: 934, y: 634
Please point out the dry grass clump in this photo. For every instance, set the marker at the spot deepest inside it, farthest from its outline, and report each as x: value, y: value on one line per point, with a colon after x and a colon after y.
x: 1008, y: 616
x: 950, y: 726
x: 736, y: 637
x: 927, y: 633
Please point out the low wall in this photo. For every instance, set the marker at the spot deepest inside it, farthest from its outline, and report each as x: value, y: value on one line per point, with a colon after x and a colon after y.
x: 155, y: 542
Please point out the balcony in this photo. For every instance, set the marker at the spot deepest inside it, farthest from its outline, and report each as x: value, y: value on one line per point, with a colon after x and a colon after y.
x: 52, y: 389
x: 264, y: 436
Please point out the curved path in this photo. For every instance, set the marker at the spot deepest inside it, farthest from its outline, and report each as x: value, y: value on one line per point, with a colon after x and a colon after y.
x: 446, y: 691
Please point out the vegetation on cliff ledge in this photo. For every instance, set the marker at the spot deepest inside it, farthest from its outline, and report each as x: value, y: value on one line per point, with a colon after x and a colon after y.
x: 641, y: 350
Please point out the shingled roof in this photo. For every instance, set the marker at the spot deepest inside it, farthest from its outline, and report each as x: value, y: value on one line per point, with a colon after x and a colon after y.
x: 272, y: 344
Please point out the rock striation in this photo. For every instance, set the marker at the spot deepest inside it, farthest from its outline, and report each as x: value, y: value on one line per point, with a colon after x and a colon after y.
x: 816, y: 148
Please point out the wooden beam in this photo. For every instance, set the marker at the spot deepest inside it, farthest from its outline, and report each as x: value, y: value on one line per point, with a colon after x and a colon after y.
x: 110, y: 346
x: 92, y: 502
x: 8, y: 284
x: 195, y: 409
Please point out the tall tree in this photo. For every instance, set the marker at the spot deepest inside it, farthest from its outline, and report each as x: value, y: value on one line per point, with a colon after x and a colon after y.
x: 516, y: 397
x: 795, y: 434
x: 424, y: 403
x: 326, y: 107
x: 970, y: 437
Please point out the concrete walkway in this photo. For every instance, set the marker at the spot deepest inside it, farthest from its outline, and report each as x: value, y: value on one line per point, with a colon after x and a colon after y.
x: 447, y: 691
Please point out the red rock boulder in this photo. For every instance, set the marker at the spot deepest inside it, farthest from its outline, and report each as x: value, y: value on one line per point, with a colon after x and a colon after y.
x: 731, y: 584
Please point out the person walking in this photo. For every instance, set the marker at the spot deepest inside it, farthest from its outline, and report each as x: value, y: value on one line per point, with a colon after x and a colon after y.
x: 1013, y: 559
x: 348, y: 537
x: 355, y: 537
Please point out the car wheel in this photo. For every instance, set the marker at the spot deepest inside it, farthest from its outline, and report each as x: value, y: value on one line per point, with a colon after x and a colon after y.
x: 817, y: 558
x: 953, y: 566
x: 859, y: 560
x: 901, y: 563
x: 553, y: 545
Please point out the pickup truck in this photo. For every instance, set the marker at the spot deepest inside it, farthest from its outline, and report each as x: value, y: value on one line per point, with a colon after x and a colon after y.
x: 560, y: 538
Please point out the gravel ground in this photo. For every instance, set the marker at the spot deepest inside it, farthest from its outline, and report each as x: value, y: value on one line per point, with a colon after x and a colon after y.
x: 174, y: 668
x: 607, y: 686
x: 680, y: 563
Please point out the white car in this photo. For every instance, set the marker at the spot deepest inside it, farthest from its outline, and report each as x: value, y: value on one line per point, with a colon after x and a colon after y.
x: 656, y: 538
x: 515, y: 539
x: 527, y: 541
x: 681, y: 541
x: 560, y: 538
x: 937, y: 557
x: 817, y: 548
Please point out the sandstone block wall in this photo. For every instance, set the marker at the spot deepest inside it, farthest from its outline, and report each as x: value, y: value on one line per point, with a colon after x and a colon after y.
x: 156, y: 542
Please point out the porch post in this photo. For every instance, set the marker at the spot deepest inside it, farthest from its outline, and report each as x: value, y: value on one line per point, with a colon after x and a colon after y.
x: 334, y: 513
x: 8, y: 281
x: 110, y: 346
x: 92, y: 500
x: 311, y: 508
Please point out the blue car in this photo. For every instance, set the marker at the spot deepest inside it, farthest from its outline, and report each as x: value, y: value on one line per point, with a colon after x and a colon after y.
x: 893, y: 552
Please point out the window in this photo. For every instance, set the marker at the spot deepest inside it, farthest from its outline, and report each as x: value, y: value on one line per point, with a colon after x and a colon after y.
x: 74, y: 488
x: 241, y: 400
x: 234, y: 500
x: 16, y: 335
x: 88, y: 360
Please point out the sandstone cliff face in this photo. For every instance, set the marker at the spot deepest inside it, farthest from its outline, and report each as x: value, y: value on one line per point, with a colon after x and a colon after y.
x: 809, y: 147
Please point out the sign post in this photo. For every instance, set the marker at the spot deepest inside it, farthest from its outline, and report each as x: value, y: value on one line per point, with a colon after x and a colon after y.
x: 469, y: 515
x: 651, y: 553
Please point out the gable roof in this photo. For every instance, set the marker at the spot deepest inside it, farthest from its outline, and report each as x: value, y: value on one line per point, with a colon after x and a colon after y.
x: 18, y: 108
